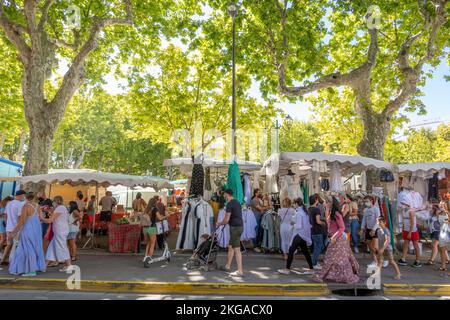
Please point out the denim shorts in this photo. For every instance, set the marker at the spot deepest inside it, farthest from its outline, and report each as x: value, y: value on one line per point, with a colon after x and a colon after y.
x: 72, y: 235
x: 435, y: 235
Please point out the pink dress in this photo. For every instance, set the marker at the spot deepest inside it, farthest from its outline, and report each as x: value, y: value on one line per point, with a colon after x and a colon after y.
x: 340, y: 264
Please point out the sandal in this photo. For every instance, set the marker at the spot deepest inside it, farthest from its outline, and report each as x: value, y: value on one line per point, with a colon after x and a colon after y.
x: 74, y: 259
x: 442, y: 269
x: 53, y: 265
x: 398, y: 277
x: 430, y: 262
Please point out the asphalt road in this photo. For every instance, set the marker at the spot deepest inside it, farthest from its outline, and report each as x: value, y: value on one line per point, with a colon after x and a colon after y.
x: 61, y: 295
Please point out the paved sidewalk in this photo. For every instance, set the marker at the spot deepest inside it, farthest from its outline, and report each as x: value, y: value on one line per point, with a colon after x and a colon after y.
x: 103, y: 272
x: 259, y: 268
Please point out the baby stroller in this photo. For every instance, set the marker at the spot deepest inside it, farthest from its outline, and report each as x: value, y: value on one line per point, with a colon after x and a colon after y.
x: 204, y: 257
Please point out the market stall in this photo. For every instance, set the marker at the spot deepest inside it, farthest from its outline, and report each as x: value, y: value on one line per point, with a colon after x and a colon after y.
x: 431, y: 180
x: 122, y: 236
x: 302, y: 174
x: 321, y: 172
x: 206, y: 180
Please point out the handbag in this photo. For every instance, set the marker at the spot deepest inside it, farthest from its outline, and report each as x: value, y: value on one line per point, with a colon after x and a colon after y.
x: 49, y: 234
x: 162, y: 227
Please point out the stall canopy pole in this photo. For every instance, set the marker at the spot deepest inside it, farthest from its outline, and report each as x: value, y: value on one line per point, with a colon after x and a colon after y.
x: 92, y: 237
x: 126, y: 205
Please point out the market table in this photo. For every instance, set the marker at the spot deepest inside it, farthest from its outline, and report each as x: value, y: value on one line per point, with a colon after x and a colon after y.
x: 123, y: 238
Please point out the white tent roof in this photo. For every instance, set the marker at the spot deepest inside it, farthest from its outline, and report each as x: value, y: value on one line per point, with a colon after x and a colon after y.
x: 425, y: 168
x: 284, y: 160
x: 186, y: 164
x: 105, y: 179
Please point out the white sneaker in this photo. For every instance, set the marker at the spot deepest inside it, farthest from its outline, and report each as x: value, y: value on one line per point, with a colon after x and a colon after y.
x: 284, y: 271
x: 356, y: 250
x: 385, y: 264
x: 317, y: 267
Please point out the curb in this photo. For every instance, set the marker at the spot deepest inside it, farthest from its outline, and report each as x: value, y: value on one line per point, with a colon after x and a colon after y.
x: 416, y: 289
x: 208, y: 288
x: 195, y: 288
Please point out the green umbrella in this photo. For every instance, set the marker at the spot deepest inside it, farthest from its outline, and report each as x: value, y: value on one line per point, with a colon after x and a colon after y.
x: 234, y: 182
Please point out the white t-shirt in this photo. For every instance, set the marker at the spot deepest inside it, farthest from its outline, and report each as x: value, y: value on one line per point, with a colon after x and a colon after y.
x: 13, y: 210
x: 407, y: 221
x: 73, y: 227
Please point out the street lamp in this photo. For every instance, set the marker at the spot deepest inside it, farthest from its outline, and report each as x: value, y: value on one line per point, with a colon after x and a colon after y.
x: 288, y: 120
x: 232, y: 10
x: 277, y: 128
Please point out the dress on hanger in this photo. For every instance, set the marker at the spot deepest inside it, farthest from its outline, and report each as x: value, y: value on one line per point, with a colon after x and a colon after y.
x: 336, y: 179
x: 203, y: 213
x: 247, y: 188
x: 186, y: 235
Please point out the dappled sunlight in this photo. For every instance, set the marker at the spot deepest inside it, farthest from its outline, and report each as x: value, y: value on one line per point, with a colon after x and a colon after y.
x: 260, y: 275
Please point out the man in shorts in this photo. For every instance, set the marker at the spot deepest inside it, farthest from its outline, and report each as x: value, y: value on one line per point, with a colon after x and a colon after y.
x: 233, y: 217
x: 410, y: 233
x: 107, y: 203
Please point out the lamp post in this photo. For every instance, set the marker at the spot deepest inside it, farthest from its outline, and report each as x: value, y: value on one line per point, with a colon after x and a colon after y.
x: 232, y: 10
x: 277, y: 128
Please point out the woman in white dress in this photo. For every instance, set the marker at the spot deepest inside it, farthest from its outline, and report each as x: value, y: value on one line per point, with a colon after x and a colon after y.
x: 286, y: 212
x: 58, y: 250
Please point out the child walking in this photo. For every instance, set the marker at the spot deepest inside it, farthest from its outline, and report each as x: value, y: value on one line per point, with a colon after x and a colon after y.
x: 385, y: 247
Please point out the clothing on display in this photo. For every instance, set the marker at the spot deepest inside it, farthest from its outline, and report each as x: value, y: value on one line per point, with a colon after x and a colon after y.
x: 234, y: 182
x: 271, y: 185
x: 325, y: 184
x: 247, y: 188
x: 255, y: 184
x: 420, y: 185
x: 314, y: 185
x: 284, y: 187
x: 335, y: 177
x: 249, y: 230
x: 196, y: 220
x: 319, y: 166
x: 433, y: 187
x: 270, y: 224
x: 207, y: 193
x: 363, y: 181
x: 204, y: 215
x: 197, y: 181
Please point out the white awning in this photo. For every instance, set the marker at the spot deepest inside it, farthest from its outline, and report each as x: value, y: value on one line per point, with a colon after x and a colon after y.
x: 92, y: 177
x: 186, y: 164
x: 284, y: 161
x: 423, y: 168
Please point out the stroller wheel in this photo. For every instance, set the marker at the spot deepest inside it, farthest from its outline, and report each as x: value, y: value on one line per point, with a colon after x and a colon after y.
x: 189, y: 265
x: 203, y: 268
x: 212, y: 266
x: 196, y: 263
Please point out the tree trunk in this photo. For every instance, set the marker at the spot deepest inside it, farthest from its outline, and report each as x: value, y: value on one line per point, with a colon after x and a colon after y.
x: 39, y: 148
x: 376, y: 130
x: 21, y: 147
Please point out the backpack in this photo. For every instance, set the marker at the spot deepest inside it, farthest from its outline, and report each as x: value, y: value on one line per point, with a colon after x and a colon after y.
x: 386, y: 176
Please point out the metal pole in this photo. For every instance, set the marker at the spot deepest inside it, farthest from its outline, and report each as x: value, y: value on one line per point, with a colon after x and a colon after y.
x: 233, y: 120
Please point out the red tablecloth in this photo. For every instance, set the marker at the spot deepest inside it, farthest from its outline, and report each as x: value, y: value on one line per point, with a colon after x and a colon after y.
x: 88, y: 221
x: 123, y: 238
x: 116, y: 216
